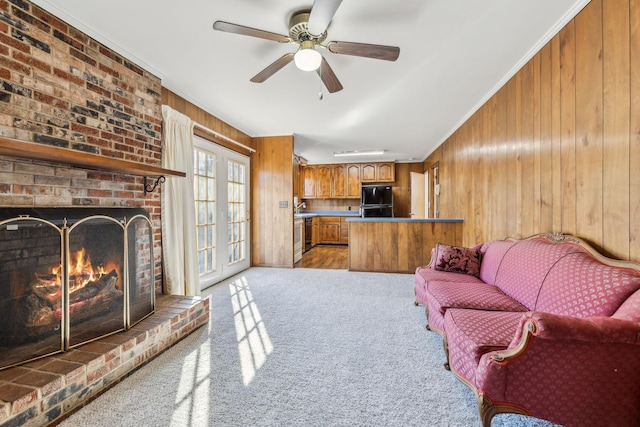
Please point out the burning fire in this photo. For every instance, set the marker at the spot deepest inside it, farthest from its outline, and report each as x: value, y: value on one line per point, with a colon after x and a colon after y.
x: 81, y: 271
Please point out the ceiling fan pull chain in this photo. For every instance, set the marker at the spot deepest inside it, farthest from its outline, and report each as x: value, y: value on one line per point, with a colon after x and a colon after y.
x: 320, y: 95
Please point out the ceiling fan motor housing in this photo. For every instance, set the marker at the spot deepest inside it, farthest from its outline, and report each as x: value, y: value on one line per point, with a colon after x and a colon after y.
x: 298, y: 30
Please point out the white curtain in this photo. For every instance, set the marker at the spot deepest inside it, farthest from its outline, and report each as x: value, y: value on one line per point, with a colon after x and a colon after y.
x: 179, y: 251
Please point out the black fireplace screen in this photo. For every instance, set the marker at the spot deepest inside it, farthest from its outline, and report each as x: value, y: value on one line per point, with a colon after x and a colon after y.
x: 70, y: 276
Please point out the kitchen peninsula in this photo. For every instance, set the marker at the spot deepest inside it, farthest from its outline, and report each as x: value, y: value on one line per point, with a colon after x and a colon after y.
x: 398, y: 245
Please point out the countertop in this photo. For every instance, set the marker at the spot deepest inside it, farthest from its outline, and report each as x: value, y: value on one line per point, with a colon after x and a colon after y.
x: 358, y: 219
x: 311, y: 214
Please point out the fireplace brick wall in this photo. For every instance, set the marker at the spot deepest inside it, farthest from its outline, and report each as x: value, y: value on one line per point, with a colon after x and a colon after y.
x: 60, y: 87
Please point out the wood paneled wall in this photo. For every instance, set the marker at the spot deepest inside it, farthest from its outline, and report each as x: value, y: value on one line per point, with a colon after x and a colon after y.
x: 555, y: 148
x: 271, y: 183
x: 208, y: 120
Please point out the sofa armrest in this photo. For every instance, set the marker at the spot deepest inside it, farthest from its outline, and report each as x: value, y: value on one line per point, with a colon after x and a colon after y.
x: 593, y: 329
x: 557, y: 327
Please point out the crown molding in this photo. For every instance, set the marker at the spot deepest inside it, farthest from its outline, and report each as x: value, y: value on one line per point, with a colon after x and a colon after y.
x: 555, y: 29
x: 52, y: 8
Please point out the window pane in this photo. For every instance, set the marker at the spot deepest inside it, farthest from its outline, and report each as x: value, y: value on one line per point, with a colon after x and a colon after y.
x: 201, y: 239
x: 202, y: 188
x: 211, y: 170
x: 211, y: 190
x: 202, y: 164
x: 211, y: 213
x: 201, y: 263
x: 201, y: 207
x: 210, y: 241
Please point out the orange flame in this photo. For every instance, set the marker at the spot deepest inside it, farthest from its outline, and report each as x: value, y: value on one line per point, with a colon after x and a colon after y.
x: 81, y: 271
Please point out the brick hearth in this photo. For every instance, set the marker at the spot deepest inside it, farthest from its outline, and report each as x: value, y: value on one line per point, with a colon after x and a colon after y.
x: 47, y: 390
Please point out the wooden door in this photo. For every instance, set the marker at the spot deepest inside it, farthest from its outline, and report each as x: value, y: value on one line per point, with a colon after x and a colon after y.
x: 315, y: 231
x: 330, y: 232
x: 417, y: 195
x: 308, y: 182
x: 323, y: 181
x: 338, y: 181
x: 368, y: 171
x: 353, y: 181
x: 385, y: 172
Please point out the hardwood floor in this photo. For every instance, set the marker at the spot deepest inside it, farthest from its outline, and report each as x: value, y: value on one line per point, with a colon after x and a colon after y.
x: 325, y: 256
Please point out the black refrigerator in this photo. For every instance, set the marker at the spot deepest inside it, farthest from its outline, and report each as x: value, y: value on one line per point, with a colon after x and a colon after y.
x: 376, y: 201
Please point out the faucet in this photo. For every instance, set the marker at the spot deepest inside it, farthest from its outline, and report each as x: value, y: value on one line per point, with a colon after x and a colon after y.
x: 300, y: 205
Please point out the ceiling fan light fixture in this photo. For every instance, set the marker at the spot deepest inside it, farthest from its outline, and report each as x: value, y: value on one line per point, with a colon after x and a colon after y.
x: 307, y: 58
x: 358, y: 153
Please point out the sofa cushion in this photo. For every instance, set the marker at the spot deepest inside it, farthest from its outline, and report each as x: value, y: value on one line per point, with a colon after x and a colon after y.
x: 423, y: 275
x: 525, y: 266
x: 472, y: 333
x: 630, y: 309
x: 456, y: 259
x: 581, y: 286
x: 428, y: 274
x: 492, y: 253
x: 479, y: 296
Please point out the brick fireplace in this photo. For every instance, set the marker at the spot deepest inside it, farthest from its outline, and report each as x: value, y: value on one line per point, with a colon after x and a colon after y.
x: 80, y: 127
x: 71, y: 276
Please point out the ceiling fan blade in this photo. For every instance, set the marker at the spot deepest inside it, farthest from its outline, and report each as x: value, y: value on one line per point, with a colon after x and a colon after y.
x: 321, y: 15
x: 328, y: 77
x: 248, y: 31
x: 375, y: 51
x: 273, y: 68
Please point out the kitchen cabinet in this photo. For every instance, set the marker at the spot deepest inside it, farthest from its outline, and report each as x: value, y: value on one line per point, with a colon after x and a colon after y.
x: 315, y: 231
x: 343, y: 180
x: 329, y: 229
x: 353, y: 182
x: 308, y: 182
x: 378, y: 172
x: 323, y: 182
x: 338, y: 181
x: 344, y: 231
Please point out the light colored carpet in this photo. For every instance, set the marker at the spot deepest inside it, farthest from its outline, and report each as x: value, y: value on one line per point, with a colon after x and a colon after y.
x: 299, y: 347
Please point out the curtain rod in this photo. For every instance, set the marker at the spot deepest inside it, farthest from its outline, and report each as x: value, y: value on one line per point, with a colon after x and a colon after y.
x: 226, y: 138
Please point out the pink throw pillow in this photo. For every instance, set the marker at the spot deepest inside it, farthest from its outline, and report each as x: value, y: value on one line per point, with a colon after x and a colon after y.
x: 456, y: 259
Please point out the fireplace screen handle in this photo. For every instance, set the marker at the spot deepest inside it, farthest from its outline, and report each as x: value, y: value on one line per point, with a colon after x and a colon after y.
x: 150, y: 185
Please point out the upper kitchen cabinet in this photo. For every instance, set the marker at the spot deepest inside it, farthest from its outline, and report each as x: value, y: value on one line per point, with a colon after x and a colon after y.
x: 338, y: 181
x: 378, y: 172
x: 308, y: 182
x: 323, y: 182
x: 353, y: 181
x: 342, y: 180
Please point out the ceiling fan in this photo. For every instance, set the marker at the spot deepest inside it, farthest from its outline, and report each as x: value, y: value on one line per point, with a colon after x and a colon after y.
x: 309, y: 30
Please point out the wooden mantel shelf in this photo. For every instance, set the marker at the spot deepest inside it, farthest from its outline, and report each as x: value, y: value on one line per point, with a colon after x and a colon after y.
x: 30, y: 150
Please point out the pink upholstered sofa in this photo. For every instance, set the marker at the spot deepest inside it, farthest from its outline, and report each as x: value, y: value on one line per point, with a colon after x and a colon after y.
x: 543, y: 326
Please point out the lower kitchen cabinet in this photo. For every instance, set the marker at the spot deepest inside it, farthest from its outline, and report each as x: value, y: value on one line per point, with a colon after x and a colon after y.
x: 344, y: 231
x: 329, y: 229
x: 333, y: 230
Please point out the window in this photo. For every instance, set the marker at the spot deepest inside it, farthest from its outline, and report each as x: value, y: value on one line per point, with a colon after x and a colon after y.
x: 205, y: 199
x: 236, y: 211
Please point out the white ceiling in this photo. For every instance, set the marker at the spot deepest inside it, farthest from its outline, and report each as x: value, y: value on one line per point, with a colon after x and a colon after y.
x: 454, y: 54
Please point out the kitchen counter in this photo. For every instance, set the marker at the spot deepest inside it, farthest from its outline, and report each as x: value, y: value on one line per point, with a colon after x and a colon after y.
x: 378, y: 219
x: 311, y: 214
x: 398, y: 245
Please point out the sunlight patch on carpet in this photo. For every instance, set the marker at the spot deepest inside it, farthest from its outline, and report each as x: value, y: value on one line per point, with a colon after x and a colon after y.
x: 254, y: 344
x: 192, y: 395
